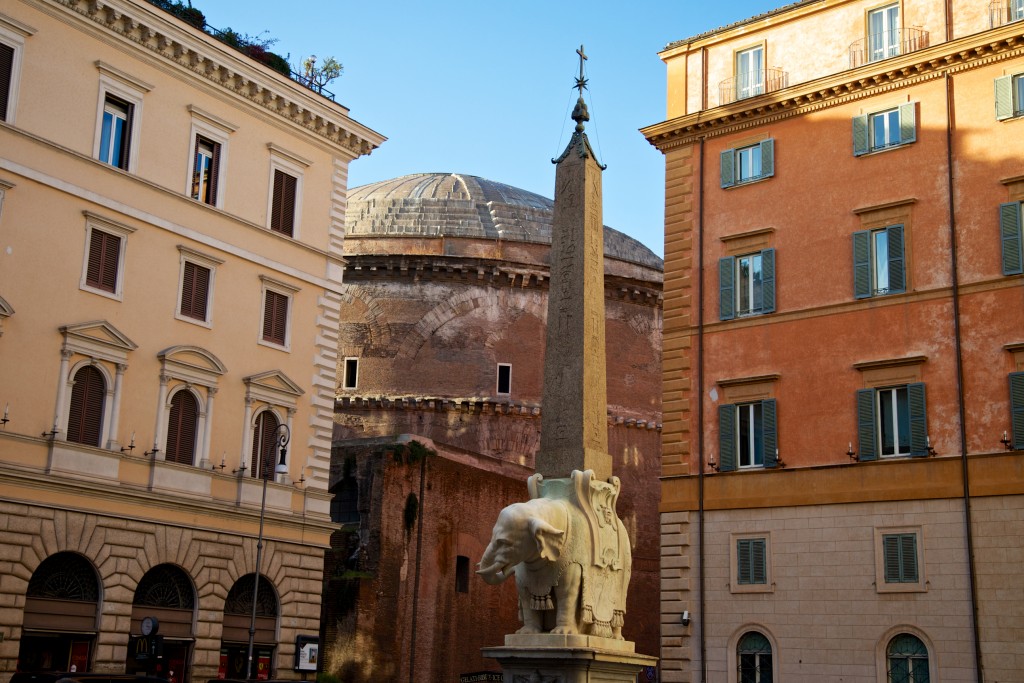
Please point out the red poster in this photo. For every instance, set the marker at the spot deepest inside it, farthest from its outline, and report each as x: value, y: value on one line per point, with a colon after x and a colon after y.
x: 79, y: 656
x: 222, y: 670
x: 263, y: 667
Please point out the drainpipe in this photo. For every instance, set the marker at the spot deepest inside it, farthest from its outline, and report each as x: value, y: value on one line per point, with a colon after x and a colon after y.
x: 700, y: 417
x: 978, y: 669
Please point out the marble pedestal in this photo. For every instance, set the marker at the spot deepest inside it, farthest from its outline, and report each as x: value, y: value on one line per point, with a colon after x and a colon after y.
x: 549, y: 658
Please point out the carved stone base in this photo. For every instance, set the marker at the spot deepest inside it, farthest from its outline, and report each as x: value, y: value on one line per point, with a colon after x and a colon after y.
x: 548, y: 658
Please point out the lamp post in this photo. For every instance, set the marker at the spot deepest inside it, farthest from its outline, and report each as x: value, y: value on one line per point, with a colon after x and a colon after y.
x: 283, y: 436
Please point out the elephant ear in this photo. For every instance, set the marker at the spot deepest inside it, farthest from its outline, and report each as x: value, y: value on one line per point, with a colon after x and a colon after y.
x: 549, y: 539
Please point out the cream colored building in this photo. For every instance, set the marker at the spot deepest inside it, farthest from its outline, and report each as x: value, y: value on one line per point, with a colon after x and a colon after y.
x: 843, y: 376
x: 171, y: 228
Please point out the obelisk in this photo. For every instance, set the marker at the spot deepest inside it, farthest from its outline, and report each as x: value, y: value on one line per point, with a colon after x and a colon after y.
x: 574, y: 422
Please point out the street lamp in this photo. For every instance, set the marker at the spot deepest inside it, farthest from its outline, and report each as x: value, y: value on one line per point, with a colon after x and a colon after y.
x: 283, y: 436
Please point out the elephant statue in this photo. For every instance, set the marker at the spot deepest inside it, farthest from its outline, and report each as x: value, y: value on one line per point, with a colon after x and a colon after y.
x: 570, y: 554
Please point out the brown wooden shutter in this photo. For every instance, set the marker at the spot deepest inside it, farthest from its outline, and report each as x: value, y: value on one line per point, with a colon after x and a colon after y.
x: 264, y: 441
x: 195, y: 291
x: 104, y: 252
x: 214, y: 174
x: 126, y: 140
x: 6, y: 73
x: 181, y: 429
x: 275, y: 317
x: 282, y: 211
x: 85, y: 417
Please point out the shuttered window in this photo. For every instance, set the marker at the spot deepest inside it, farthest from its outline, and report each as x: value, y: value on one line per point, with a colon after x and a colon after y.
x: 205, y: 170
x: 6, y: 74
x: 195, y: 291
x: 746, y: 284
x: 275, y: 317
x: 879, y: 262
x: 747, y: 435
x: 1009, y: 96
x: 882, y: 130
x: 1017, y: 409
x: 892, y: 422
x: 747, y: 164
x: 104, y: 254
x: 264, y: 442
x: 900, y: 558
x: 181, y: 428
x: 282, y: 206
x: 751, y: 561
x: 85, y: 416
x: 1011, y: 238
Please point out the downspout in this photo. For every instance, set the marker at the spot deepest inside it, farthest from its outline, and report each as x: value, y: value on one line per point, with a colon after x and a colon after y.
x: 700, y: 416
x: 416, y: 582
x: 965, y: 476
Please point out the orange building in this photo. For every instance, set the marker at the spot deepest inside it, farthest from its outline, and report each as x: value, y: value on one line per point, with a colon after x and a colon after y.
x: 843, y: 375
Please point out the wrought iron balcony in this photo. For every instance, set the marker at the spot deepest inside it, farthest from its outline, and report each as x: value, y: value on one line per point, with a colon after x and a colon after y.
x: 751, y: 83
x: 1003, y: 12
x: 886, y: 44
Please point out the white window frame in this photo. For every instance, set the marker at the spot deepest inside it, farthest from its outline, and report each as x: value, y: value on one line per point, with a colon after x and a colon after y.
x: 887, y: 116
x: 289, y: 291
x: 216, y: 130
x: 744, y: 87
x: 750, y: 310
x: 921, y: 586
x: 187, y: 255
x: 1017, y: 93
x: 1016, y: 10
x: 497, y: 379
x: 190, y: 367
x: 93, y: 221
x: 344, y: 373
x: 123, y: 86
x: 13, y: 34
x: 294, y: 165
x: 4, y: 186
x: 886, y: 48
x: 735, y: 586
x: 889, y: 394
x: 746, y: 411
x: 754, y: 174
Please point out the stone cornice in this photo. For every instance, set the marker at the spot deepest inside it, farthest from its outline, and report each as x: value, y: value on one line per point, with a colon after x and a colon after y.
x: 468, y: 406
x: 205, y: 57
x: 962, y: 54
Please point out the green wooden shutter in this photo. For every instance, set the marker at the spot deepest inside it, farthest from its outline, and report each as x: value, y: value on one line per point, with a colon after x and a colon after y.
x: 908, y: 558
x: 769, y: 432
x: 727, y: 288
x: 768, y: 280
x: 1017, y: 409
x: 758, y: 561
x: 767, y: 158
x: 744, y: 568
x: 728, y: 168
x: 918, y: 420
x: 867, y: 425
x: 908, y: 122
x: 862, y: 264
x: 897, y: 264
x: 860, y: 135
x: 726, y: 437
x: 1004, y: 97
x: 1010, y: 232
x: 891, y: 558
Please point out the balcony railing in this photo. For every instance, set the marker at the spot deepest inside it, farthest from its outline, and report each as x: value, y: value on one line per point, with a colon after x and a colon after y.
x: 752, y: 83
x: 886, y: 44
x: 1005, y: 12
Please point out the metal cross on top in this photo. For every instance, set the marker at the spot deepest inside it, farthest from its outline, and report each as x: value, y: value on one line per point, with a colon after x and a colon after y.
x: 581, y: 82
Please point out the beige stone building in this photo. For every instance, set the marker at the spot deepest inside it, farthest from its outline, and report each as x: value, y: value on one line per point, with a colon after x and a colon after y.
x: 171, y: 227
x: 844, y: 360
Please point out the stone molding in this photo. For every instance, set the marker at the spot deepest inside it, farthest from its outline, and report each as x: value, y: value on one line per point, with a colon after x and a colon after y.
x: 177, y: 45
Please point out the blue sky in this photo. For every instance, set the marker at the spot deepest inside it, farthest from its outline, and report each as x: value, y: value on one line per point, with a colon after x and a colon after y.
x: 486, y: 88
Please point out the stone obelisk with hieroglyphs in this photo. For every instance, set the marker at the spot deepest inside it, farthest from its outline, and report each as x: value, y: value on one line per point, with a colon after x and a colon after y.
x: 574, y: 423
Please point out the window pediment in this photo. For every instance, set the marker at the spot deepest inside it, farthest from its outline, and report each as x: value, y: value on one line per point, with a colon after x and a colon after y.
x: 273, y: 387
x: 98, y: 339
x: 191, y: 364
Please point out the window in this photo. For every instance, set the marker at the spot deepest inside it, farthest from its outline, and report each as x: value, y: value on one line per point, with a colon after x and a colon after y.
x: 351, y: 376
x: 205, y: 169
x: 747, y: 164
x: 892, y: 422
x: 103, y: 264
x: 899, y: 558
x: 885, y: 129
x: 747, y: 435
x: 115, y: 132
x: 264, y: 446
x: 461, y: 574
x: 118, y: 117
x: 751, y: 561
x: 195, y: 293
x: 907, y: 660
x: 504, y: 379
x: 85, y: 416
x: 746, y: 284
x: 1009, y: 96
x: 750, y: 72
x: 282, y: 210
x: 879, y: 266
x: 1010, y: 235
x: 754, y: 659
x: 883, y: 33
x: 1017, y: 409
x: 6, y: 78
x: 181, y: 428
x: 12, y: 44
x: 277, y: 302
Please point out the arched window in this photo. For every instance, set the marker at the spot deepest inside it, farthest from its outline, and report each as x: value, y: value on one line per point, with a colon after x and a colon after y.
x: 181, y: 428
x: 907, y: 660
x: 85, y: 416
x: 264, y: 445
x: 754, y: 659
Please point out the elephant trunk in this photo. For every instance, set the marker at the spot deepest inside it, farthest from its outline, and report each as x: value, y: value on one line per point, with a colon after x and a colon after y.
x: 493, y: 573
